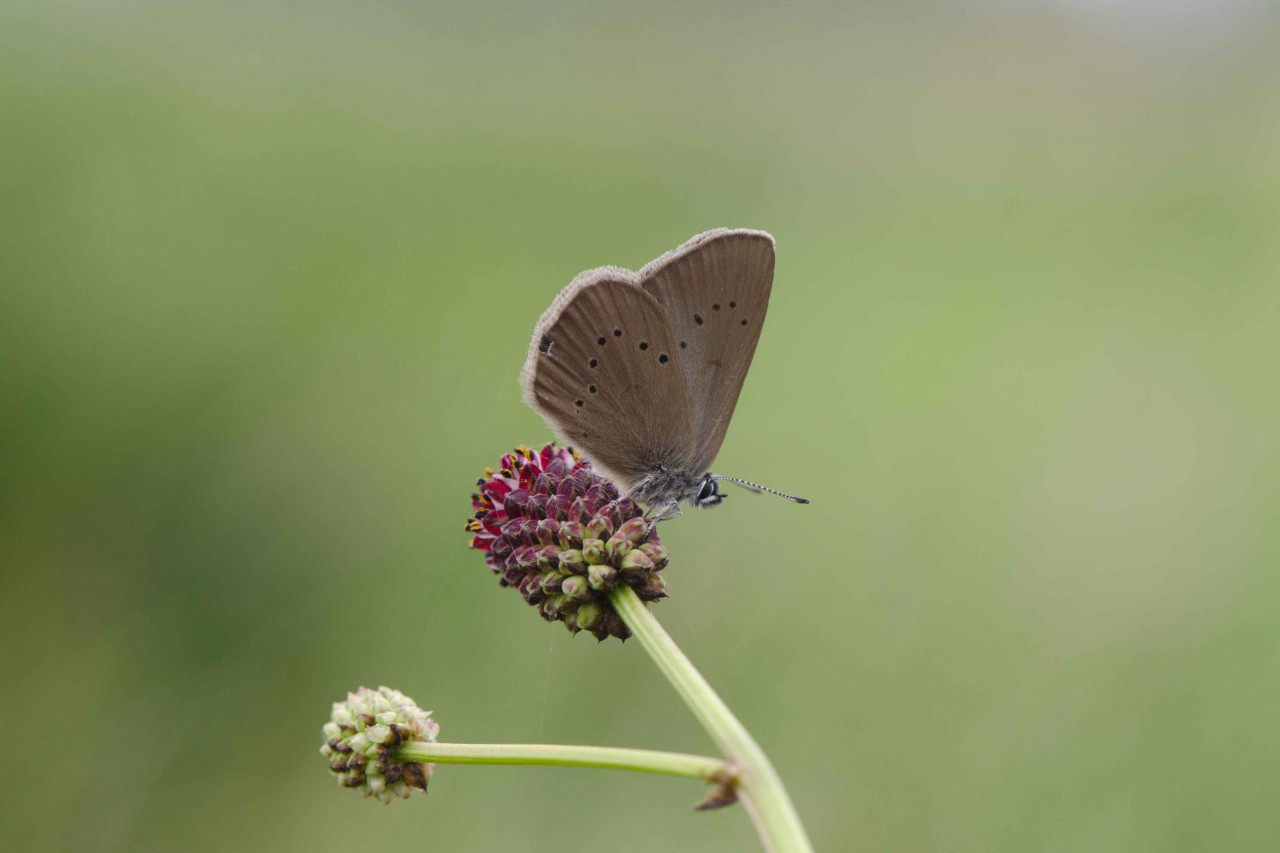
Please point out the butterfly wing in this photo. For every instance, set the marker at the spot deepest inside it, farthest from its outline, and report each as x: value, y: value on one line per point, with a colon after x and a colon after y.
x: 603, y: 372
x: 715, y: 290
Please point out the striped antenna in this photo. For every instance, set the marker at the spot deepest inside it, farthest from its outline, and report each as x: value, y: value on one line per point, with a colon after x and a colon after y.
x: 757, y: 488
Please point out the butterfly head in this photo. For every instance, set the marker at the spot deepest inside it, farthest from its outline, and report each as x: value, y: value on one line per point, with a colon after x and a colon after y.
x: 709, y: 493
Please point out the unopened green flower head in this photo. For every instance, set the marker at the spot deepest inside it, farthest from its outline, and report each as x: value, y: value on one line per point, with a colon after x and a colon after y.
x: 362, y: 738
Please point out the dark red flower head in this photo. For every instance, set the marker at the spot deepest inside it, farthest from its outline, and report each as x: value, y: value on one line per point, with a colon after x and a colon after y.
x: 563, y: 536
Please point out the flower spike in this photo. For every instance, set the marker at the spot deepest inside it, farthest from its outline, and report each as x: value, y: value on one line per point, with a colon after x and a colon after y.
x: 565, y: 538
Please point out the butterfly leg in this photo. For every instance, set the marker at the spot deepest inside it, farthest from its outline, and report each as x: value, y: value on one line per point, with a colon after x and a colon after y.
x: 670, y: 511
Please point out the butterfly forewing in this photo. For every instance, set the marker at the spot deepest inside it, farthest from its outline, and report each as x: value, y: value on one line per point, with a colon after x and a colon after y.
x: 715, y: 291
x: 603, y: 371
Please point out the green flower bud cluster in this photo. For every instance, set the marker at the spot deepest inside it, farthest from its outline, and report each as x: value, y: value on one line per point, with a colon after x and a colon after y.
x: 361, y: 739
x: 572, y: 584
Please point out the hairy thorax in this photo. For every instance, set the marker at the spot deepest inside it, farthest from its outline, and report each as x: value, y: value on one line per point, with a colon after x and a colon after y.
x: 664, y: 485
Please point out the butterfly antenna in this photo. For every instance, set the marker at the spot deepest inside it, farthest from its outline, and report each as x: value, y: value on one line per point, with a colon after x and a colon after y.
x: 757, y: 488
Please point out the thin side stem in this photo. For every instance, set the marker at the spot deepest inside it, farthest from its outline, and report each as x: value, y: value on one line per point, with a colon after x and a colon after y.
x: 564, y: 755
x: 759, y: 785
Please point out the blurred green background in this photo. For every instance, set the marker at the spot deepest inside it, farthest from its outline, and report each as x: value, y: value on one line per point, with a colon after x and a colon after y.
x: 267, y: 277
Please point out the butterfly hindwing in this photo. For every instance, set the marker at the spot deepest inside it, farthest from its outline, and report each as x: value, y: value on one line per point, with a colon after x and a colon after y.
x: 603, y: 371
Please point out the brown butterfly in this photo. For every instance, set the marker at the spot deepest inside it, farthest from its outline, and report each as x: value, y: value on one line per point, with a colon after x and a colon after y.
x: 642, y: 370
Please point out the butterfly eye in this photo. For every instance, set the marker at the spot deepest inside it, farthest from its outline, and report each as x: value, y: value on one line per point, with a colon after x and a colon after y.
x: 708, y: 489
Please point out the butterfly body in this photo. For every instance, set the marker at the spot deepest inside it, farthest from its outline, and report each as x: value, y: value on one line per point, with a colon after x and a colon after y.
x: 641, y: 371
x: 665, y: 486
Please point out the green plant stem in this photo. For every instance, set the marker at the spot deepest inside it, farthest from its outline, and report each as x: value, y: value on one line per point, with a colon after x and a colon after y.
x: 562, y: 755
x: 759, y: 786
